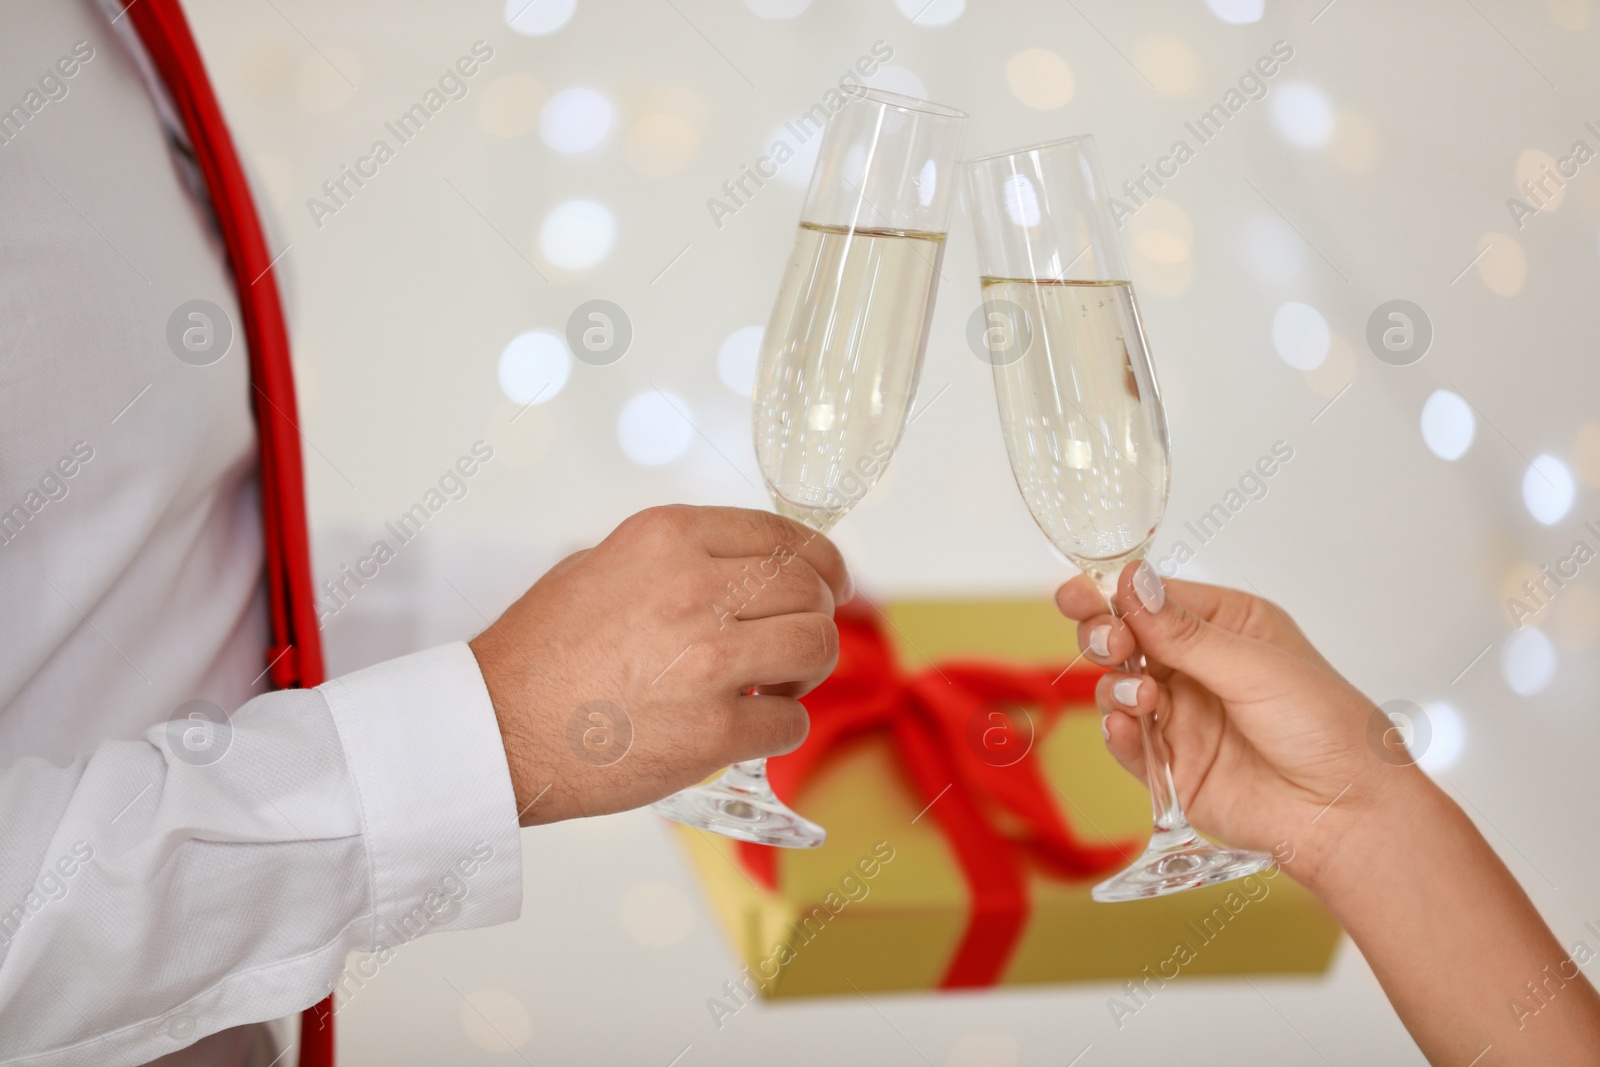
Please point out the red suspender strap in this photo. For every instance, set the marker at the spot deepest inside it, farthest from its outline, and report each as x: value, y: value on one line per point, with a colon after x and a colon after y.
x: 296, y: 652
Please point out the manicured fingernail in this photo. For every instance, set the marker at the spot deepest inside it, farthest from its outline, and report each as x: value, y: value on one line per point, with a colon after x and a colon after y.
x: 1100, y: 640
x: 1105, y: 726
x: 1147, y: 584
x: 1126, y: 692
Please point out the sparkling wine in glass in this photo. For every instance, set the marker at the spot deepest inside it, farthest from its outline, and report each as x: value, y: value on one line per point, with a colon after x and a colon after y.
x: 840, y: 361
x: 1084, y: 425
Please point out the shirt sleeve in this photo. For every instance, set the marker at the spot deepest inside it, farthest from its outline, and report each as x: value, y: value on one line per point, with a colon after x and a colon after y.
x: 218, y: 873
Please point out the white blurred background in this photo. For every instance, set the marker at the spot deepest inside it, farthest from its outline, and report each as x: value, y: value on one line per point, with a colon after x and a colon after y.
x: 432, y: 307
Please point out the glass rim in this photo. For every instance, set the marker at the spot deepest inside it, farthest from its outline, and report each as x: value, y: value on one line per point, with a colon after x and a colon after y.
x: 908, y: 103
x: 1060, y: 142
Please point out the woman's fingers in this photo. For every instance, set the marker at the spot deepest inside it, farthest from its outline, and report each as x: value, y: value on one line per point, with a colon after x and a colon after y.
x: 1234, y: 667
x: 1131, y: 694
x: 1080, y: 599
x: 1241, y: 613
x: 1226, y: 609
x: 1103, y: 639
x: 1121, y: 732
x: 1192, y: 727
x: 1123, y: 699
x: 1107, y: 640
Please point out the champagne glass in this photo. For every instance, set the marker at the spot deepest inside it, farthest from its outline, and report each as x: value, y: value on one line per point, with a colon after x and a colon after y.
x: 1084, y: 424
x: 840, y: 361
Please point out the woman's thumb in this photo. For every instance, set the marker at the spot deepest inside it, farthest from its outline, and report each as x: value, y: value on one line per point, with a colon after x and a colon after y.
x: 1171, y: 634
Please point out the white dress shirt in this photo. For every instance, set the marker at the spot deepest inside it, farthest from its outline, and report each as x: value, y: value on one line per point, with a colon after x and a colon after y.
x: 152, y: 893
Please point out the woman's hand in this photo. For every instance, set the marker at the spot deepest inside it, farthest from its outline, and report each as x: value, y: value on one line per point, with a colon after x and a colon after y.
x: 1272, y: 749
x: 1268, y: 741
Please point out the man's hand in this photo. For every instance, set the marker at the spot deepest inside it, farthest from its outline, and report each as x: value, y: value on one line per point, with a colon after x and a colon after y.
x: 621, y: 676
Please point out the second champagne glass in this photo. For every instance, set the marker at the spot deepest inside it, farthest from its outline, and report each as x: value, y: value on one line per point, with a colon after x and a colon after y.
x: 840, y: 361
x: 1084, y: 424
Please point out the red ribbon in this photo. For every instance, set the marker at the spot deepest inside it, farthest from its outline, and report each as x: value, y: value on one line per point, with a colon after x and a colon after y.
x: 937, y: 717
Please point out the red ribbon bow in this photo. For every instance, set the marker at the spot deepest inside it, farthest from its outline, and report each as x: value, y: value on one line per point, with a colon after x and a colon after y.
x: 938, y: 718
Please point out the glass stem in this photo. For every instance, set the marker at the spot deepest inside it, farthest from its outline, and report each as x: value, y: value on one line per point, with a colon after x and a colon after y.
x: 748, y: 775
x: 1165, y: 808
x: 1166, y: 811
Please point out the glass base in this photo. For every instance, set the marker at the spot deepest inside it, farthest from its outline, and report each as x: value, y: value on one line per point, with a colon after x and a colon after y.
x: 1175, y: 862
x: 742, y: 805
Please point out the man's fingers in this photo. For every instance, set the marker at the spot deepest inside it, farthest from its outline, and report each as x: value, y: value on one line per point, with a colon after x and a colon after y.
x: 787, y: 689
x: 800, y: 648
x: 759, y: 588
x: 765, y: 725
x: 739, y: 532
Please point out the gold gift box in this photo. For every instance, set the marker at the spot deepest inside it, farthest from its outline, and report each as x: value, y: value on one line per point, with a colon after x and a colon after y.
x: 831, y: 929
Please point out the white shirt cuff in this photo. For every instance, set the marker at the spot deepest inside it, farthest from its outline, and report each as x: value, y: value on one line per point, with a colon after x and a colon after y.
x: 423, y: 746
